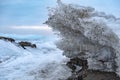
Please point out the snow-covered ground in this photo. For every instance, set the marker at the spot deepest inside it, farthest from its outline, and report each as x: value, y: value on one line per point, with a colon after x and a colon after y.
x: 46, y: 62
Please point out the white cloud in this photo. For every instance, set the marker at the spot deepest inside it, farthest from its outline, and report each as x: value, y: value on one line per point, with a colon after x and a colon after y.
x: 42, y: 30
x: 43, y: 27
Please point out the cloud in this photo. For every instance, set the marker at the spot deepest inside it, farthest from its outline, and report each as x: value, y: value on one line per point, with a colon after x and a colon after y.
x: 43, y: 27
x: 41, y: 30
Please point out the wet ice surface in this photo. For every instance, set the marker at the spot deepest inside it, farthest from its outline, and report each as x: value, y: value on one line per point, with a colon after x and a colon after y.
x: 45, y: 62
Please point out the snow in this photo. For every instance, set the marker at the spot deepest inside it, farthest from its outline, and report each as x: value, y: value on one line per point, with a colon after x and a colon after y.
x: 43, y: 63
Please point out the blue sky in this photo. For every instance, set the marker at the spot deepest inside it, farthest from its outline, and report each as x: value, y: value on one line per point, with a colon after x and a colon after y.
x: 32, y: 13
x: 23, y: 12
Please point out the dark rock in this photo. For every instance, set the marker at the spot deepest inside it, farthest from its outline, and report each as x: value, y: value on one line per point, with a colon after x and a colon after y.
x: 33, y: 46
x: 7, y: 39
x: 101, y: 75
x: 75, y: 77
x: 0, y: 61
x: 71, y: 66
x: 79, y: 62
x: 80, y: 73
x: 85, y: 74
x: 26, y: 44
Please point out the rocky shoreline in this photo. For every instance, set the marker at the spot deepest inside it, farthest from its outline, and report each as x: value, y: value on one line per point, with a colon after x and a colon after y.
x: 99, y: 75
x: 22, y: 44
x: 78, y: 65
x: 80, y: 71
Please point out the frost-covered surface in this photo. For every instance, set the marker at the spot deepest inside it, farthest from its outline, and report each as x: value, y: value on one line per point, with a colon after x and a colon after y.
x: 83, y: 29
x: 46, y: 62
